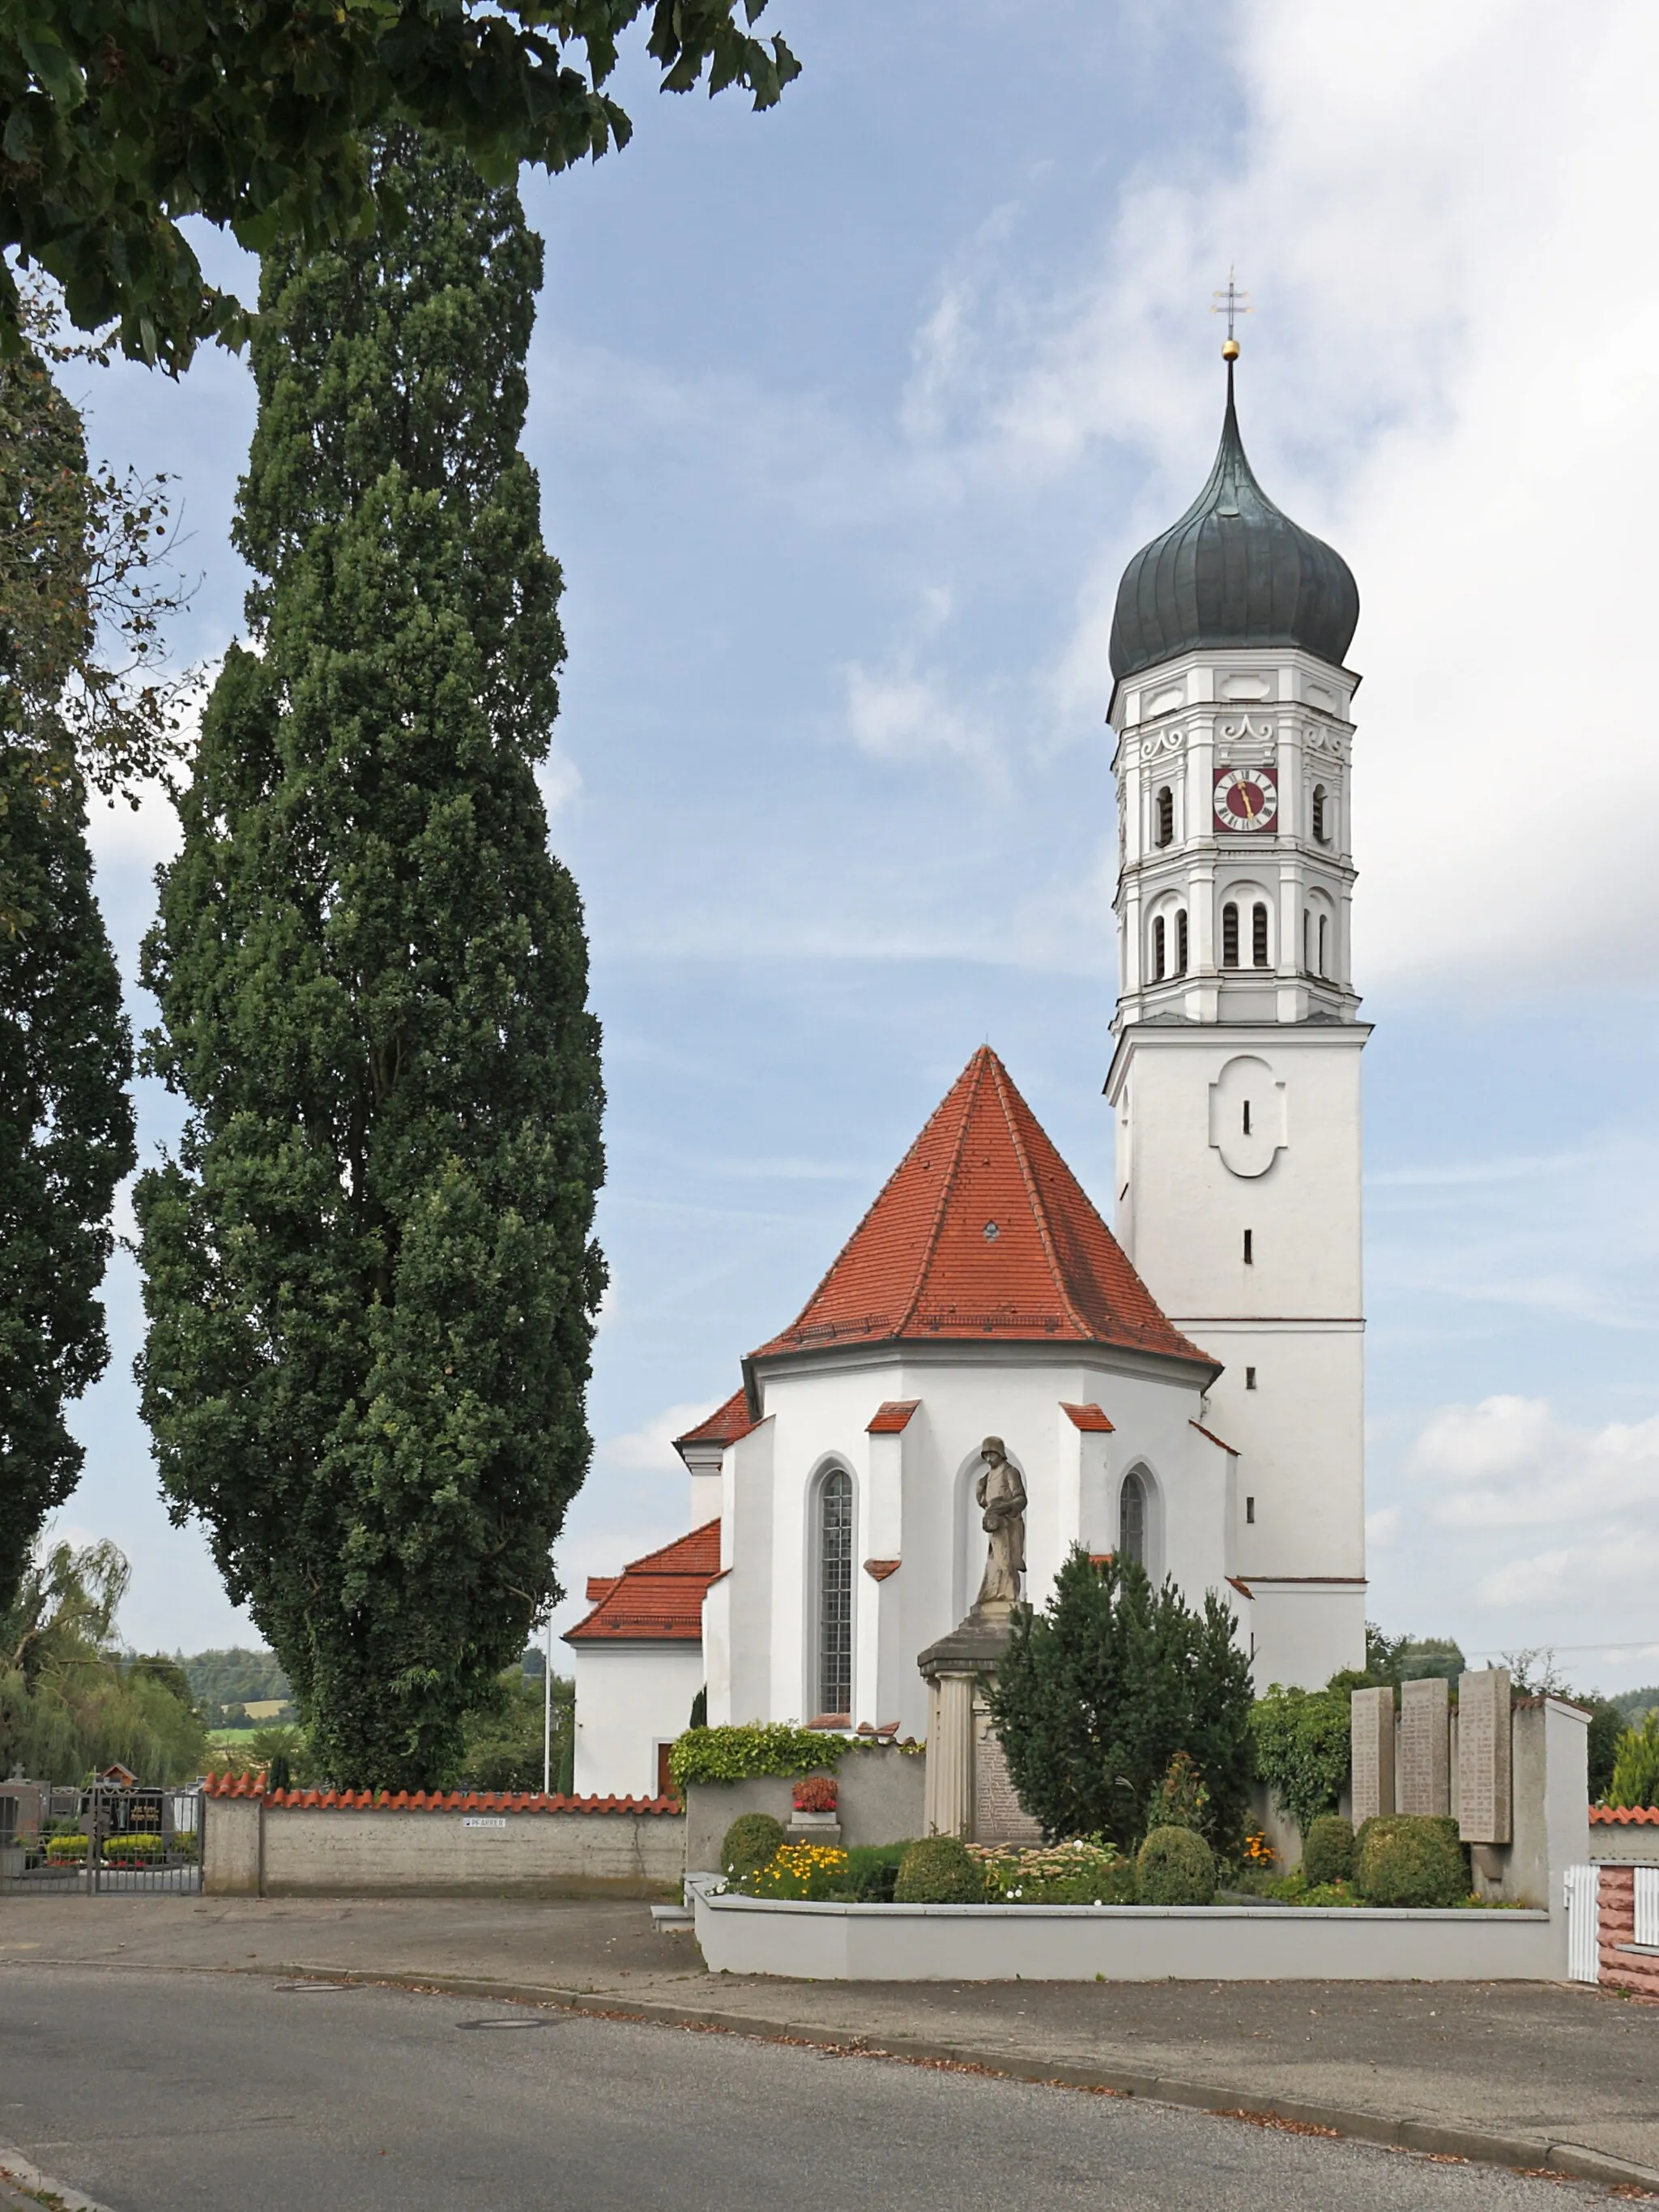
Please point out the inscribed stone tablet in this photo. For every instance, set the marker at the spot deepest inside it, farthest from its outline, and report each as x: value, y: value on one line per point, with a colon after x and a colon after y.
x: 1483, y: 1756
x: 998, y: 1816
x: 1372, y: 1745
x: 1423, y: 1779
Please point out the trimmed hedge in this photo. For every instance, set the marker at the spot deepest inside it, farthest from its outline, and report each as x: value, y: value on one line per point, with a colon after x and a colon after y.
x: 1410, y: 1859
x: 1176, y: 1866
x: 752, y: 1841
x: 1327, y: 1850
x: 940, y: 1871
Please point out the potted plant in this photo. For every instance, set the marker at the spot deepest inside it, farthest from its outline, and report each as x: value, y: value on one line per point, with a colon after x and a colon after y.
x: 816, y: 1808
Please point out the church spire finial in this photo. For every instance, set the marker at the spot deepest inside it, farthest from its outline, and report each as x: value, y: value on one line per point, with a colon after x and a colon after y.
x: 1232, y: 303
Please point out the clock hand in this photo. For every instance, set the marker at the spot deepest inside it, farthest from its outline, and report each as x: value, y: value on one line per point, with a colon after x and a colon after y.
x: 1247, y: 793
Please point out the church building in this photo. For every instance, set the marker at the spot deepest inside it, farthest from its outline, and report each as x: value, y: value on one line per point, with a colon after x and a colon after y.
x: 1188, y: 1392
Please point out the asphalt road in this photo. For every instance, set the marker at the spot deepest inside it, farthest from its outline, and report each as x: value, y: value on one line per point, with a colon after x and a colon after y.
x: 158, y: 2092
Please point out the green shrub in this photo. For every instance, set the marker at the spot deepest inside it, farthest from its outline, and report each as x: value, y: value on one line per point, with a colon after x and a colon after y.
x: 940, y: 1871
x: 1181, y: 1800
x: 1302, y: 1748
x: 741, y: 1754
x: 1176, y: 1866
x: 872, y: 1872
x: 61, y: 1848
x: 1410, y: 1859
x: 1327, y: 1849
x: 752, y: 1842
x: 1636, y: 1764
x: 1096, y: 1694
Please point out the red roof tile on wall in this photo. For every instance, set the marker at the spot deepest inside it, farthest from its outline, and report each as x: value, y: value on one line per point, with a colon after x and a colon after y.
x: 1624, y: 1816
x: 893, y: 1416
x: 657, y: 1599
x: 983, y: 1230
x: 724, y: 1425
x: 419, y: 1801
x: 1091, y: 1419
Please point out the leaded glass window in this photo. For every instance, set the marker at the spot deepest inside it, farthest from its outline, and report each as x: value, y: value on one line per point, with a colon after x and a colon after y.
x: 835, y: 1593
x: 1132, y: 1520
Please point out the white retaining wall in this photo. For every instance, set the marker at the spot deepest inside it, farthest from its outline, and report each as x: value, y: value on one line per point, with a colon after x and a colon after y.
x: 1120, y: 1942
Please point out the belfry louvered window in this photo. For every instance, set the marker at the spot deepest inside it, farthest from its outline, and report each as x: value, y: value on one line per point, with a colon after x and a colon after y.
x: 1230, y: 935
x: 835, y: 1684
x: 1166, y: 816
x: 1321, y: 834
x: 1157, y: 948
x: 1258, y: 936
x: 1180, y: 942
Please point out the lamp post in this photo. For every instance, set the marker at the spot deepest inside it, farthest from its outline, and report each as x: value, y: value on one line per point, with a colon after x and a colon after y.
x: 547, y: 1711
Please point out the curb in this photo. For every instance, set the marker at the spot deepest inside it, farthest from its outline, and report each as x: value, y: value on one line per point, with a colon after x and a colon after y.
x: 1480, y: 2146
x: 26, y: 2176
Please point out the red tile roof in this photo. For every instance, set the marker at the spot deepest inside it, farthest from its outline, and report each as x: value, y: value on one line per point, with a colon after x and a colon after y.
x: 724, y: 1425
x: 1625, y: 1816
x: 983, y: 1230
x: 420, y: 1800
x: 1091, y: 1418
x: 658, y: 1599
x: 893, y: 1416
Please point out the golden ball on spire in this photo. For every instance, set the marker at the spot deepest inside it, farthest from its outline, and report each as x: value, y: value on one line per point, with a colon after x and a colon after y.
x: 1230, y: 350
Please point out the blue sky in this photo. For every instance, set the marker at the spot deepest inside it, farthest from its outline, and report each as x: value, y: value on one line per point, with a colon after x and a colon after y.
x: 846, y: 418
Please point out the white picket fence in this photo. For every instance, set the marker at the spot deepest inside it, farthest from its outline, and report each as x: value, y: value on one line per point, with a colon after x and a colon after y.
x: 1583, y: 1901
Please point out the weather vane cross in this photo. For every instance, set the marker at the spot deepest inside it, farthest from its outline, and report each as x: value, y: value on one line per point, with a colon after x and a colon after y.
x: 1232, y: 303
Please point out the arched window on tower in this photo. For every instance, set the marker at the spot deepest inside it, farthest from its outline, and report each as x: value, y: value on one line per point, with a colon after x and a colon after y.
x: 1181, y: 942
x: 835, y: 1682
x: 1230, y: 935
x: 1324, y: 921
x: 1321, y: 836
x: 1131, y: 1519
x: 1157, y: 948
x: 1166, y: 816
x: 1258, y: 935
x: 1307, y: 943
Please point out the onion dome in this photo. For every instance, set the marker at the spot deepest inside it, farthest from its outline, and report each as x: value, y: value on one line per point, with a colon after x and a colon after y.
x: 1233, y: 571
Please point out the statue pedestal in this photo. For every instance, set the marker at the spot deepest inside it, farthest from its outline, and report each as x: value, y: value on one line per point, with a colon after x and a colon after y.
x: 968, y: 1794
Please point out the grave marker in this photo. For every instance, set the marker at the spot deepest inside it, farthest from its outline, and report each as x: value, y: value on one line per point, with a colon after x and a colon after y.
x: 1483, y: 1756
x: 1371, y: 1743
x: 1423, y: 1782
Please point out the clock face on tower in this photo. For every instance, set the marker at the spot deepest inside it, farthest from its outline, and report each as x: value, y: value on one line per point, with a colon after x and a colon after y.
x: 1246, y: 797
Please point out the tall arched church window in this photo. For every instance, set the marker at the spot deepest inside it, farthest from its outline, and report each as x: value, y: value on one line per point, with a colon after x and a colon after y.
x: 834, y: 1683
x: 1323, y: 923
x: 1166, y: 816
x: 1230, y: 935
x: 1131, y: 1519
x: 1181, y: 942
x: 1319, y: 829
x: 1258, y: 936
x: 1157, y: 948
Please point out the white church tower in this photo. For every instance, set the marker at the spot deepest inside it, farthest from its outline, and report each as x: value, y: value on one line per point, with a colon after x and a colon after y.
x: 1236, y: 1079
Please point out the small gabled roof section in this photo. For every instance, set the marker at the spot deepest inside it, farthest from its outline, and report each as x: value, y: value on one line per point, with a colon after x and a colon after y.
x: 983, y: 1231
x: 724, y: 1425
x: 657, y: 1599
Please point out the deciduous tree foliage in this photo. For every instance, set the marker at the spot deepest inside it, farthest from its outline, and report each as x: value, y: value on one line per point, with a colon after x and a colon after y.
x: 1098, y: 1693
x: 121, y: 117
x: 370, y: 1273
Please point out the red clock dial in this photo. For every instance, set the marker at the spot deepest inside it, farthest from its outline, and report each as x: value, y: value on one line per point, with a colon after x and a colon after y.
x: 1246, y: 797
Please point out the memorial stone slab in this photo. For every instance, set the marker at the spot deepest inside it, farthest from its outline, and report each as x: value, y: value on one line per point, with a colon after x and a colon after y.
x: 1423, y: 1774
x: 1372, y: 1744
x: 1483, y: 1756
x: 998, y: 1816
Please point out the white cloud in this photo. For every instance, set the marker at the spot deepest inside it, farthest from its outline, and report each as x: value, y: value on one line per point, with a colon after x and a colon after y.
x: 650, y: 1449
x: 1443, y: 218
x: 1508, y: 1462
x: 906, y: 714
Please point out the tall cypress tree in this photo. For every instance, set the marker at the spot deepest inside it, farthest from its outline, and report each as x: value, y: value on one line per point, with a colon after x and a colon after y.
x: 65, y: 1048
x: 369, y: 1271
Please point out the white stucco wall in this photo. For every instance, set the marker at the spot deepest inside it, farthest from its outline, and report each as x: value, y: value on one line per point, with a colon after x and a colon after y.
x: 630, y: 1698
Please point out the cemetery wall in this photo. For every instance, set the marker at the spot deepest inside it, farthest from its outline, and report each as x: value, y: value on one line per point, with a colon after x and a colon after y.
x: 307, y: 1844
x: 880, y: 1792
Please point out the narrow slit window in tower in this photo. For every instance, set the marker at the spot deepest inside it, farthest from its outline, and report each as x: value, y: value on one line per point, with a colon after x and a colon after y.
x: 1180, y: 942
x: 1249, y: 1247
x: 1166, y: 816
x: 1246, y: 1117
x: 1249, y: 1509
x: 1258, y: 935
x: 1132, y: 1520
x: 835, y: 1684
x: 1157, y: 948
x: 1230, y: 935
x: 1249, y: 1378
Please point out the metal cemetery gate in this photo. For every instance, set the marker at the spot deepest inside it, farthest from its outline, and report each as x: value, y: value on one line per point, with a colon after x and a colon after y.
x: 101, y: 1839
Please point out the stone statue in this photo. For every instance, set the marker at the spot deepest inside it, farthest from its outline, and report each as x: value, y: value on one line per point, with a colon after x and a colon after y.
x: 1002, y: 1496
